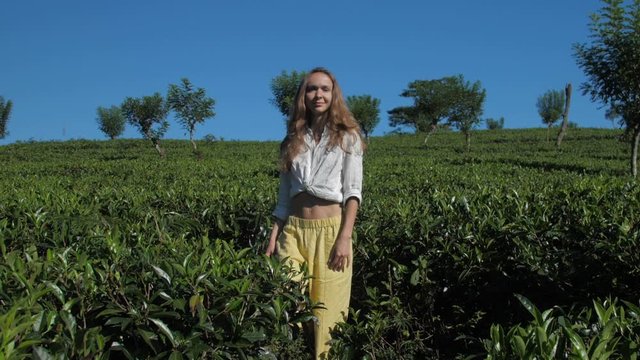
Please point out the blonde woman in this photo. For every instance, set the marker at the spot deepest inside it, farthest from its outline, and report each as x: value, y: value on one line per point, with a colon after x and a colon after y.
x: 319, y: 195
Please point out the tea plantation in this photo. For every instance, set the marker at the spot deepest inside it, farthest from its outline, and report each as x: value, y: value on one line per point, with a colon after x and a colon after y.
x: 513, y: 250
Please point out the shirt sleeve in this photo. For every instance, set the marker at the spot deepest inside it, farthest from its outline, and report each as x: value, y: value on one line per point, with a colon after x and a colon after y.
x: 282, y: 207
x: 352, y: 171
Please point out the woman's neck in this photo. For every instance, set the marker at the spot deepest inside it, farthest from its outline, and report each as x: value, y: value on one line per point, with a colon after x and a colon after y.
x: 317, y: 125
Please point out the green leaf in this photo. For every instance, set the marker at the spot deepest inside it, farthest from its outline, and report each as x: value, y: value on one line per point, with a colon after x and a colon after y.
x: 194, y: 301
x: 40, y: 353
x: 162, y: 274
x: 165, y: 330
x: 39, y: 322
x: 112, y: 311
x: 303, y: 318
x: 532, y: 309
x: 635, y: 310
x: 70, y: 322
x: 519, y: 346
x: 119, y: 321
x: 603, y: 316
x: 148, y: 337
x: 415, y: 277
x: 541, y: 336
x: 600, y: 352
x: 578, y: 345
x: 254, y: 336
x: 165, y: 296
x: 57, y: 292
x: 234, y: 305
x: 116, y: 346
x: 607, y: 332
x: 28, y: 343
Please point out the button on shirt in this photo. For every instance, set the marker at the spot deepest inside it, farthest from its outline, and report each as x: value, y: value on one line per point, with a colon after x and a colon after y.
x: 332, y: 174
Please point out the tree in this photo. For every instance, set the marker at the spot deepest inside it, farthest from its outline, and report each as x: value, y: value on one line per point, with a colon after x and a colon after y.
x: 565, y: 115
x: 495, y: 124
x: 612, y: 65
x: 146, y: 112
x: 431, y: 103
x: 284, y: 88
x: 191, y: 106
x: 550, y: 106
x: 111, y: 121
x: 449, y: 98
x: 366, y: 110
x: 467, y: 107
x: 5, y: 111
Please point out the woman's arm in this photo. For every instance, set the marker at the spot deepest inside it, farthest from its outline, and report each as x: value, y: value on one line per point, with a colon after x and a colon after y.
x: 278, y: 224
x: 280, y: 213
x: 341, y: 255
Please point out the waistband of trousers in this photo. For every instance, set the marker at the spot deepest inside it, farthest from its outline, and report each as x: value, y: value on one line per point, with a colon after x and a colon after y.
x: 314, y: 223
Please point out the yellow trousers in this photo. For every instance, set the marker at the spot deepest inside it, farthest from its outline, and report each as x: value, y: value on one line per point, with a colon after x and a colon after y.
x: 311, y: 241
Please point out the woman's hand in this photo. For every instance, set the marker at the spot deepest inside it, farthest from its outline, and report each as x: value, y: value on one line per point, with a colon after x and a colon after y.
x: 271, y: 248
x: 340, y: 258
x: 273, y: 238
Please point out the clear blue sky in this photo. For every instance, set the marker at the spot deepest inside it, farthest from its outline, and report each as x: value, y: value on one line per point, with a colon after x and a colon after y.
x: 62, y: 59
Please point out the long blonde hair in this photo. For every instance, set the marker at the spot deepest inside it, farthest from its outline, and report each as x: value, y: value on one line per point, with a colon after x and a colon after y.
x: 340, y: 121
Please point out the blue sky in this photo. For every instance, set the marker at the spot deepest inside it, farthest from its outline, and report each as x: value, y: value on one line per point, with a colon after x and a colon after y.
x: 62, y: 59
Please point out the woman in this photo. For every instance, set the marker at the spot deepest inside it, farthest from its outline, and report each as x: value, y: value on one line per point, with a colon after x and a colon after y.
x: 319, y: 195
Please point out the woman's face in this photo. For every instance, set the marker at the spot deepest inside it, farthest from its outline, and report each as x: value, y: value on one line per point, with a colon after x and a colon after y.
x: 318, y: 93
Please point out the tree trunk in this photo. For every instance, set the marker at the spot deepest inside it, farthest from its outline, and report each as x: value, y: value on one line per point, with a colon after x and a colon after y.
x: 467, y: 137
x: 548, y: 131
x: 158, y: 148
x: 432, y: 129
x: 193, y: 143
x: 634, y: 151
x: 565, y: 115
x: 156, y: 143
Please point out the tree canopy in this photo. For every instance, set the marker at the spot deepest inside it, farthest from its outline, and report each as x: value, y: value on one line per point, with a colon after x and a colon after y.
x: 467, y: 107
x: 284, y: 88
x: 611, y: 62
x: 366, y: 111
x: 148, y: 114
x: 432, y: 101
x: 436, y: 100
x: 550, y: 107
x: 111, y: 121
x: 495, y: 124
x: 192, y: 106
x: 450, y: 99
x: 5, y: 111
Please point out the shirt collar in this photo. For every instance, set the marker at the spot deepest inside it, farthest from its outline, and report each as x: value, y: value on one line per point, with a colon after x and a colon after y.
x: 309, y: 135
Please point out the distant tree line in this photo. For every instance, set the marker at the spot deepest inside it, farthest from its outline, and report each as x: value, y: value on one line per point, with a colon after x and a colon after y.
x: 610, y: 62
x: 495, y: 124
x: 149, y: 113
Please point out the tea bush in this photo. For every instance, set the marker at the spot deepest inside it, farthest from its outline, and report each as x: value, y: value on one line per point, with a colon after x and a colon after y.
x: 607, y: 330
x: 110, y: 251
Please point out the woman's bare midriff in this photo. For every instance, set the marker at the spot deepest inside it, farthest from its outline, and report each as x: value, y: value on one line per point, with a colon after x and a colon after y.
x: 307, y: 206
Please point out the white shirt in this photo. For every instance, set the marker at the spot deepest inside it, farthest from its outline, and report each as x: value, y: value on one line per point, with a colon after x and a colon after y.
x: 327, y: 173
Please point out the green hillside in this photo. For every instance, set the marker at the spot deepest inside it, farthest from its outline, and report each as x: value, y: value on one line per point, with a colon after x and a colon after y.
x: 109, y: 250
